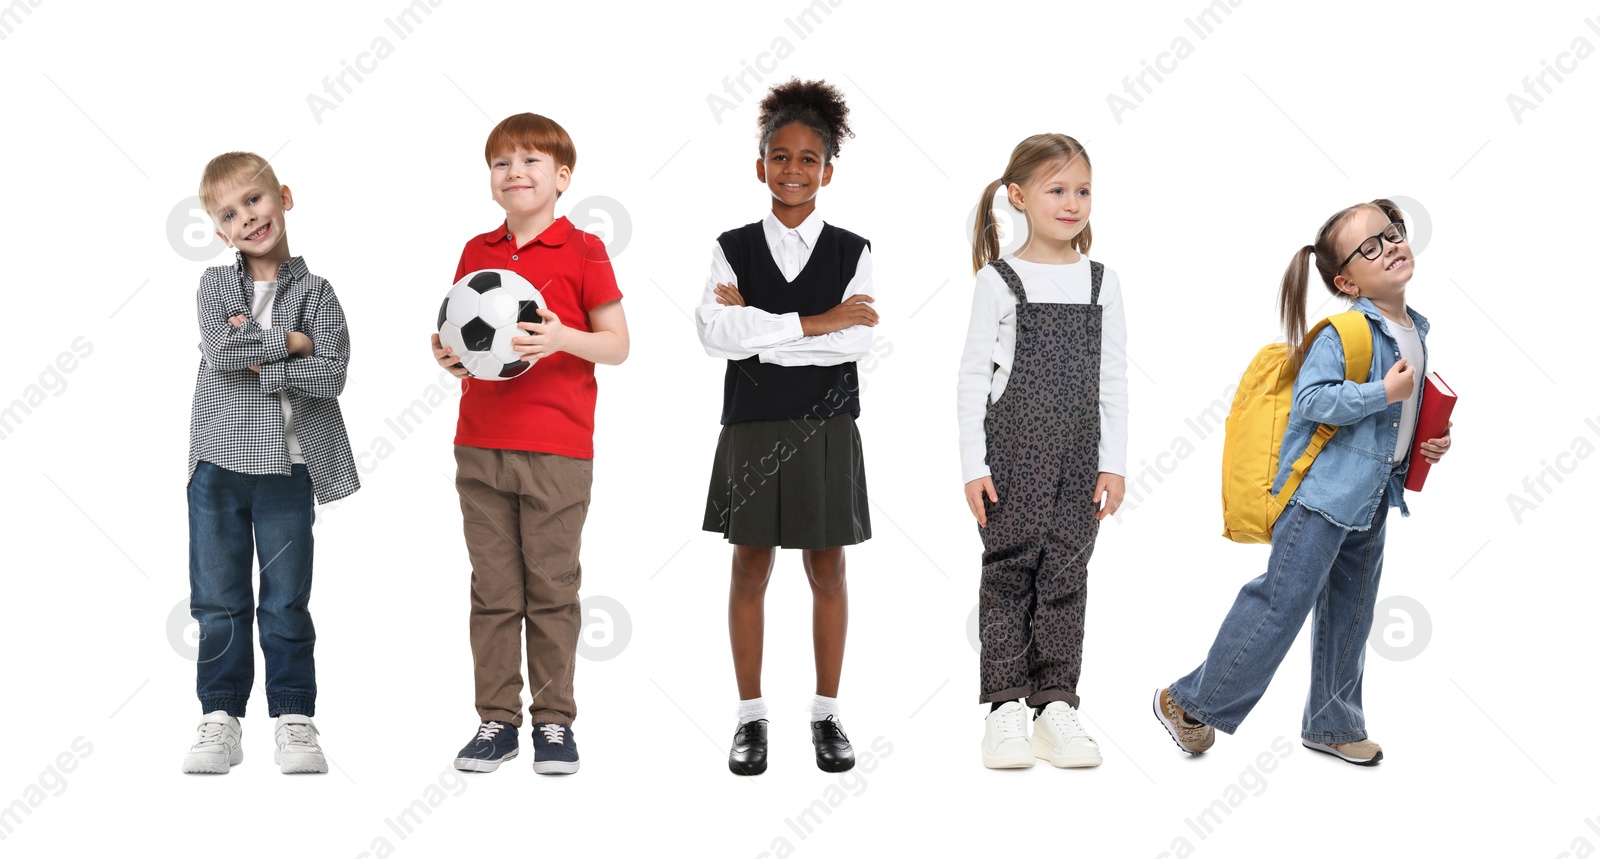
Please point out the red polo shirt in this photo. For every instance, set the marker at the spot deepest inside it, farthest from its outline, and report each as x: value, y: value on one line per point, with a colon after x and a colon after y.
x: 549, y: 408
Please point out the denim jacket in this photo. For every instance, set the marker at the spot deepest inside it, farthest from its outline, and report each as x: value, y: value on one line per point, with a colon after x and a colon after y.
x: 1357, y: 468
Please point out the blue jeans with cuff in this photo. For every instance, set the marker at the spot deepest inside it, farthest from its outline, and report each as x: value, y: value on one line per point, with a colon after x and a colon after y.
x: 231, y: 516
x: 1317, y: 568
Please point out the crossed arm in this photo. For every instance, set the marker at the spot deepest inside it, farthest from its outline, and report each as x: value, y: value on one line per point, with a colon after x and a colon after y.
x: 312, y: 363
x: 731, y: 329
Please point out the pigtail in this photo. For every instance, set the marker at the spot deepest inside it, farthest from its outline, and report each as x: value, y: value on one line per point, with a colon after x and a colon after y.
x: 1292, y: 301
x: 1080, y: 242
x: 986, y: 230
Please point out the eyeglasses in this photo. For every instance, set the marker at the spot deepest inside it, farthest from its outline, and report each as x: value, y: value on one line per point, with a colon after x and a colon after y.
x: 1372, y: 248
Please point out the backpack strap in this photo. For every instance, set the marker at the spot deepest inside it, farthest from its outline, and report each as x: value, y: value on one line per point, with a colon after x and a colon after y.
x: 1096, y: 272
x: 1009, y: 275
x: 1355, y: 335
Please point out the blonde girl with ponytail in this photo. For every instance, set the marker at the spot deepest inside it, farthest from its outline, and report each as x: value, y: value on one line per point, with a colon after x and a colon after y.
x: 1042, y: 404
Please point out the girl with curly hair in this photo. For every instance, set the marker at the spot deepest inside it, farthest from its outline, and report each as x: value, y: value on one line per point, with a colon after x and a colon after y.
x: 788, y: 303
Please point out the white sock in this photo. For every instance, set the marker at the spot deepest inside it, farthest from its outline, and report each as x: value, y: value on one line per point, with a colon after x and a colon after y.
x: 751, y: 709
x: 822, y: 708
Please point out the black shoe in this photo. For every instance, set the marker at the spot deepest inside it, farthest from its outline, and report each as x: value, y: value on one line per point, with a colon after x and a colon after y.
x: 749, y: 753
x: 495, y: 743
x: 834, y: 754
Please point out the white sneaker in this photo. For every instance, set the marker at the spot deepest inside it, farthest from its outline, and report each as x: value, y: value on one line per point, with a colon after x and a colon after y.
x: 216, y: 745
x: 297, y: 750
x: 1059, y: 738
x: 1005, y: 737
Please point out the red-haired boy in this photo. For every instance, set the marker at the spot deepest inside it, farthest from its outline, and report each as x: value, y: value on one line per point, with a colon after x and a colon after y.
x: 525, y: 450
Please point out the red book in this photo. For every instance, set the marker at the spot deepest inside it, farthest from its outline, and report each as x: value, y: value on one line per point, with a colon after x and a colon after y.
x: 1432, y: 421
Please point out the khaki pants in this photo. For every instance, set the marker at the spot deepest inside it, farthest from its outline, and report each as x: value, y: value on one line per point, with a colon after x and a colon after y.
x: 522, y: 512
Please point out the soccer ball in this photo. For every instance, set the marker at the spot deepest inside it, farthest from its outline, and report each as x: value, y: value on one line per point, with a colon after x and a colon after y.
x: 479, y: 317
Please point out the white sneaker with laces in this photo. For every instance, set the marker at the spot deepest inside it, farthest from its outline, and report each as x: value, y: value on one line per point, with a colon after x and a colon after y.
x: 216, y: 744
x: 297, y: 750
x: 1005, y: 737
x: 1059, y: 737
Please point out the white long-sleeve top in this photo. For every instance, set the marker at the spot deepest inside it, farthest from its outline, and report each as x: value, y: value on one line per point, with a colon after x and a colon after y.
x: 991, y: 345
x: 735, y: 333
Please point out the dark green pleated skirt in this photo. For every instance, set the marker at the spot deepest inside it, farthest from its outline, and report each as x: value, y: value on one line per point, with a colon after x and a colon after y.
x: 794, y: 484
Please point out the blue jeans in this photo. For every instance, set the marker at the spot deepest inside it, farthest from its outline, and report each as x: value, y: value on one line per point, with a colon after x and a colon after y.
x: 229, y: 515
x: 1316, y: 567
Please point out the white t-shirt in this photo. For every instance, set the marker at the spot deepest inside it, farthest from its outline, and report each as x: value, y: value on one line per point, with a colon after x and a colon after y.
x: 266, y: 293
x: 1410, y: 344
x: 992, y: 344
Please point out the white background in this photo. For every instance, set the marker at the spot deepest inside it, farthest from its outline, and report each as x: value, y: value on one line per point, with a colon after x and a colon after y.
x: 1282, y: 115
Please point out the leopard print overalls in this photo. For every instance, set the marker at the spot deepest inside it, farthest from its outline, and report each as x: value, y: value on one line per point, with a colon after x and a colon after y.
x: 1043, y: 440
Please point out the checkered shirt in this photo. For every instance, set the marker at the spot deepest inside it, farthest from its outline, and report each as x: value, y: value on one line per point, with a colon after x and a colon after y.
x: 237, y: 421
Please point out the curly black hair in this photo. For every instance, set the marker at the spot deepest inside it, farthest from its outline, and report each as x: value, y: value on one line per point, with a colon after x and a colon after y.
x: 816, y: 104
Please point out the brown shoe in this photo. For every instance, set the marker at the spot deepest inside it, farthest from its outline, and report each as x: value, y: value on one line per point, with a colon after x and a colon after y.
x: 1191, y: 735
x: 1362, y: 753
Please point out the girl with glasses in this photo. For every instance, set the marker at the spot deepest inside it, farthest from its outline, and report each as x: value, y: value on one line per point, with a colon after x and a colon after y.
x: 1327, y: 545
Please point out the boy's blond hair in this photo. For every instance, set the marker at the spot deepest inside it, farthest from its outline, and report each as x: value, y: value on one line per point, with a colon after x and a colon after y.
x: 230, y: 168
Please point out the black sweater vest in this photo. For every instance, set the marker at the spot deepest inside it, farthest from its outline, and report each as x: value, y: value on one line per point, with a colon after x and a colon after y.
x: 753, y: 391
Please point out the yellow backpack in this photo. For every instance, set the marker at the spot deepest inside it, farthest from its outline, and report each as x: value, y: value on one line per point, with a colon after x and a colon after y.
x: 1256, y: 424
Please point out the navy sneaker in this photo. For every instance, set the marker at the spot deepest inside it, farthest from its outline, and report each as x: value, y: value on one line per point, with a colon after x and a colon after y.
x: 555, y: 750
x: 495, y: 742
